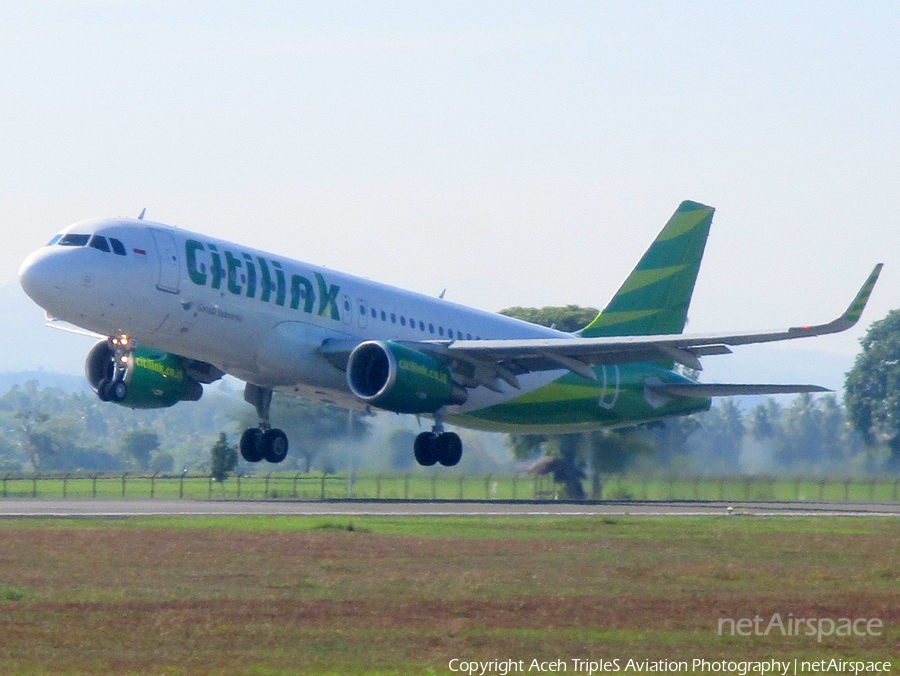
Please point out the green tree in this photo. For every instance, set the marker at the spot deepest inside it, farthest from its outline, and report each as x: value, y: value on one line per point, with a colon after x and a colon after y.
x: 764, y: 422
x: 872, y: 387
x: 36, y: 440
x: 224, y: 458
x: 162, y: 461
x: 569, y: 318
x: 611, y: 451
x: 140, y: 444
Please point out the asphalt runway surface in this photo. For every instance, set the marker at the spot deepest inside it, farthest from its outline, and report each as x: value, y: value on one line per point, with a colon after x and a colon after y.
x: 29, y: 508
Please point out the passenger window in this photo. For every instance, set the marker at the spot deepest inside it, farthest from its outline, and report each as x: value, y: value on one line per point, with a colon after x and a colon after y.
x: 393, y: 318
x: 99, y: 242
x: 383, y: 316
x: 440, y: 330
x: 421, y: 325
x: 402, y: 321
x: 74, y: 240
x: 374, y: 313
x: 117, y: 246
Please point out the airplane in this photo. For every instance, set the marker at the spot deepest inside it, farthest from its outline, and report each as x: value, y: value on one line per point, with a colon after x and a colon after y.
x: 177, y: 310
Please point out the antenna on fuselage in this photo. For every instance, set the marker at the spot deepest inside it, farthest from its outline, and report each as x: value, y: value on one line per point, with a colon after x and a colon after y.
x: 143, y: 211
x: 442, y: 293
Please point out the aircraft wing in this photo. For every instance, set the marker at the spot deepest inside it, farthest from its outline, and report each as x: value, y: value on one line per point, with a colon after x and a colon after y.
x: 489, y: 360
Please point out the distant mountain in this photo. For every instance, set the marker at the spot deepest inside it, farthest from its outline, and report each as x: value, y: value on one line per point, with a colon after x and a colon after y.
x: 66, y: 383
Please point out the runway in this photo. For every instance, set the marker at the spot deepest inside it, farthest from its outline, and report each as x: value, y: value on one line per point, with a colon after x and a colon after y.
x: 30, y: 508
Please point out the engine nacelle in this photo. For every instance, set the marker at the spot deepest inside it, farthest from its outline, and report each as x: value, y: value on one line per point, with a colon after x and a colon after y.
x: 152, y: 378
x: 399, y: 379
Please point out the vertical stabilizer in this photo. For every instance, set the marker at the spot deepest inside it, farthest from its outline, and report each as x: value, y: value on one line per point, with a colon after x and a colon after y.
x: 656, y: 296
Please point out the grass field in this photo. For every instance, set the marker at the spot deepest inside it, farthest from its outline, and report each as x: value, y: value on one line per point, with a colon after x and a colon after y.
x: 270, y: 596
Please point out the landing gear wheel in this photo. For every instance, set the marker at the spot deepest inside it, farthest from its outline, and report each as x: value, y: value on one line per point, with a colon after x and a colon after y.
x: 103, y: 389
x: 425, y: 449
x: 274, y: 446
x: 449, y: 449
x: 251, y: 448
x: 118, y: 390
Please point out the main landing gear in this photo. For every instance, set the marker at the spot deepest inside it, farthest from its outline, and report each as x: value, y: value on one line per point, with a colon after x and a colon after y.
x: 263, y: 442
x: 438, y: 446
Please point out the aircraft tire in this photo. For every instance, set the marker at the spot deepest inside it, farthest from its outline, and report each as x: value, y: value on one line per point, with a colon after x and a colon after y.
x: 274, y: 446
x: 449, y: 449
x: 117, y: 390
x: 425, y: 449
x: 103, y: 389
x: 251, y: 446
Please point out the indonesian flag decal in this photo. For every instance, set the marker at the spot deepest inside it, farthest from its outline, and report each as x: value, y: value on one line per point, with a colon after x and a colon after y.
x: 140, y: 252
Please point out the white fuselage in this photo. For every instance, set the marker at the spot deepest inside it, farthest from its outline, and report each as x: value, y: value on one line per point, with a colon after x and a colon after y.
x: 259, y: 317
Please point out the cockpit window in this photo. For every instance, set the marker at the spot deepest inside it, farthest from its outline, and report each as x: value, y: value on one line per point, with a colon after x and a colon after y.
x: 54, y: 240
x: 99, y: 242
x: 117, y: 246
x: 74, y: 240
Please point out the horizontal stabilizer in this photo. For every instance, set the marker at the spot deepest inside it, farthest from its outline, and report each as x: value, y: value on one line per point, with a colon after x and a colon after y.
x: 730, y: 390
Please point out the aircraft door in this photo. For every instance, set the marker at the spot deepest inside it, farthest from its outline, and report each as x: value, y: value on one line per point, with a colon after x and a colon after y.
x: 167, y: 255
x: 347, y: 314
x: 609, y: 391
x: 363, y: 308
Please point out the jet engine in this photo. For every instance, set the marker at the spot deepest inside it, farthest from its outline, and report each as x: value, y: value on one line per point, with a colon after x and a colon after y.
x: 399, y: 379
x: 140, y: 378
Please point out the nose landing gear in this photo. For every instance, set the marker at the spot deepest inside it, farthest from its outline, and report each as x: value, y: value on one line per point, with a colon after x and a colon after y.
x: 263, y: 442
x: 113, y: 386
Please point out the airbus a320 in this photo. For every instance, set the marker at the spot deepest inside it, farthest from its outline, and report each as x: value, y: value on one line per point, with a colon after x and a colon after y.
x: 178, y: 310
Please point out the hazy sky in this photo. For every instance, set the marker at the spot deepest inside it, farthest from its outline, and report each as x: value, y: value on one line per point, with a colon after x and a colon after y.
x: 516, y: 153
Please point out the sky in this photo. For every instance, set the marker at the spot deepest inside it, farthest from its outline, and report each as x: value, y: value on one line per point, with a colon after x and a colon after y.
x: 513, y: 153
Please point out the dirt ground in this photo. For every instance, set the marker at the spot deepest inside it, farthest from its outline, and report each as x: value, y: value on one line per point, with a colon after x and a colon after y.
x: 111, y: 598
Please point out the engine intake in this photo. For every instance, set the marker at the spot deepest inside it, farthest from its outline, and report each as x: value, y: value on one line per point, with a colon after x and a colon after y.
x: 399, y: 379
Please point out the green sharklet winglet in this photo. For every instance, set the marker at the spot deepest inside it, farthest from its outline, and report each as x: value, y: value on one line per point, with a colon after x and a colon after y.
x: 854, y: 312
x: 655, y: 298
x: 851, y: 315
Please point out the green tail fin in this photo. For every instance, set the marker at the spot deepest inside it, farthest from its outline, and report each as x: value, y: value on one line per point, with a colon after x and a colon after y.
x: 656, y: 296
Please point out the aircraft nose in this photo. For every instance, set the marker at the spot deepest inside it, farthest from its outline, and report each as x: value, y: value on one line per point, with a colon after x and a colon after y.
x: 40, y: 276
